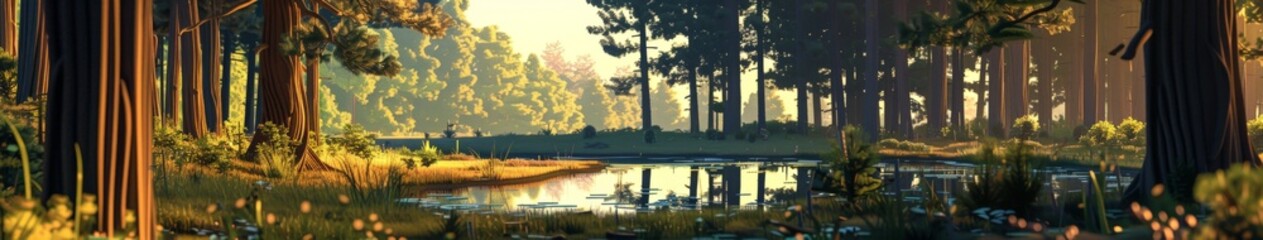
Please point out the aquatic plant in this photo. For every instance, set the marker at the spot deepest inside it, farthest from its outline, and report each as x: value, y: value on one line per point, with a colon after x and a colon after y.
x: 853, y: 177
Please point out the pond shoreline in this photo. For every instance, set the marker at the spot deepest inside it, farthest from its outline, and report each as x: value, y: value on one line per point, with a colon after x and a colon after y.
x: 502, y: 182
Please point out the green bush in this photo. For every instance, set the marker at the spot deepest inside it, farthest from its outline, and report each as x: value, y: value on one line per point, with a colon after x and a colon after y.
x: 1233, y: 196
x: 1025, y: 127
x: 11, y: 170
x: 356, y: 141
x: 213, y: 152
x: 651, y: 136
x: 1255, y: 130
x: 852, y: 177
x: 1007, y: 183
x: 589, y: 132
x: 276, y: 153
x: 1102, y: 133
x: 425, y: 156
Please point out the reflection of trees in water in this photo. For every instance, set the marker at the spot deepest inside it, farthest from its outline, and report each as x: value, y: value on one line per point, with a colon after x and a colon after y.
x: 781, y: 194
x: 623, y: 194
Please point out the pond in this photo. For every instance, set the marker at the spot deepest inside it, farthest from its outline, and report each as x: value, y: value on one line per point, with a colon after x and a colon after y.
x: 640, y: 184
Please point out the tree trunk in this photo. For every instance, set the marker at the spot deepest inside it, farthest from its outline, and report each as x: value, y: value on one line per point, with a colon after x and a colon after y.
x: 161, y: 71
x: 869, y: 111
x: 800, y: 84
x: 1196, y: 110
x: 1044, y: 59
x: 100, y: 99
x: 936, y: 97
x: 280, y: 87
x: 225, y: 76
x: 903, y: 97
x: 211, y: 84
x: 694, y: 111
x: 313, y: 96
x: 1090, y: 100
x: 1017, y: 65
x: 710, y: 95
x: 646, y: 111
x: 958, y: 90
x: 9, y: 27
x: 995, y: 93
x: 817, y: 106
x: 33, y: 67
x: 762, y: 87
x: 194, y: 108
x: 732, y: 66
x: 252, y: 68
x: 984, y: 84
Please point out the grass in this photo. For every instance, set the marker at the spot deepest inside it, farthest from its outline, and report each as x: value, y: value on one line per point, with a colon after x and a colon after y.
x: 626, y: 143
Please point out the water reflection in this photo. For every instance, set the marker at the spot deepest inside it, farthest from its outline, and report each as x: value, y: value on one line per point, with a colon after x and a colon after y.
x: 747, y: 185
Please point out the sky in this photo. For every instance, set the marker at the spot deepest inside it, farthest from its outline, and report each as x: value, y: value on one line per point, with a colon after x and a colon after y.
x: 532, y: 24
x: 535, y: 23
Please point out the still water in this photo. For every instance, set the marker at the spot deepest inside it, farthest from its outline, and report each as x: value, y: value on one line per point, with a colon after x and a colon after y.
x: 682, y: 183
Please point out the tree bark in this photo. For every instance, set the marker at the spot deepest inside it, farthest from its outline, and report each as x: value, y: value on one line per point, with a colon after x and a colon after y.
x: 762, y: 87
x: 1090, y: 100
x: 694, y: 112
x: 936, y: 97
x: 211, y: 87
x: 1196, y: 110
x: 194, y: 108
x: 995, y: 93
x: 100, y: 99
x: 33, y: 67
x: 1017, y: 66
x: 9, y: 27
x: 1044, y: 59
x: 958, y: 90
x: 869, y: 111
x: 280, y: 86
x: 252, y: 69
x: 732, y: 66
x: 225, y: 75
x: 903, y: 97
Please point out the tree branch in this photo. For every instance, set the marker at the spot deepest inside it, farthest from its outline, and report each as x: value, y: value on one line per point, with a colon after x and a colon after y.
x: 236, y: 8
x: 326, y: 5
x: 328, y: 29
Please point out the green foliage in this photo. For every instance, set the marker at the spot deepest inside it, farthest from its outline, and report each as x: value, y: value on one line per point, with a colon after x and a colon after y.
x: 589, y: 132
x: 985, y: 24
x: 276, y: 153
x: 214, y: 152
x: 1094, y: 209
x: 1132, y: 130
x: 25, y: 219
x: 13, y: 158
x: 852, y: 177
x: 356, y: 141
x: 905, y: 145
x: 1102, y: 133
x: 1025, y: 127
x: 8, y: 76
x: 1233, y: 196
x: 651, y: 135
x: 1255, y: 131
x: 425, y: 156
x: 1005, y: 182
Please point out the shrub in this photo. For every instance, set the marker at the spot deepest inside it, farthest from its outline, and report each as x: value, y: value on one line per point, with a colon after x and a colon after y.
x: 425, y: 156
x: 213, y: 152
x: 1003, y: 183
x: 11, y: 173
x: 276, y: 153
x: 1025, y: 127
x: 479, y: 133
x: 1101, y: 133
x: 589, y: 132
x: 1233, y: 197
x: 1255, y: 130
x: 546, y: 132
x: 852, y: 177
x: 450, y: 132
x: 1131, y: 130
x: 356, y: 141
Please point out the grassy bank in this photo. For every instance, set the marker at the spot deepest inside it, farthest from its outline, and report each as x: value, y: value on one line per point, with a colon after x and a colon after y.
x: 623, y: 143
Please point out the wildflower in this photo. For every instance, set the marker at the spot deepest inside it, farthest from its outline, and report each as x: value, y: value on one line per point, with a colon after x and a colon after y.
x: 357, y: 224
x: 344, y: 199
x: 304, y: 207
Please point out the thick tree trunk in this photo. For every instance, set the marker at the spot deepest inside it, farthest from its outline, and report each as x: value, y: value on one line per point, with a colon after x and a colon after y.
x: 903, y: 97
x: 732, y: 66
x: 818, y: 113
x: 175, y: 58
x: 1017, y: 66
x: 800, y: 84
x: 33, y: 66
x: 281, y: 95
x: 995, y: 93
x: 160, y: 67
x: 194, y: 108
x: 9, y: 27
x: 1090, y: 100
x: 980, y: 106
x: 1196, y: 110
x: 313, y: 96
x: 100, y: 100
x: 1044, y: 59
x: 710, y: 96
x: 936, y: 96
x: 869, y: 110
x: 225, y: 76
x: 211, y: 86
